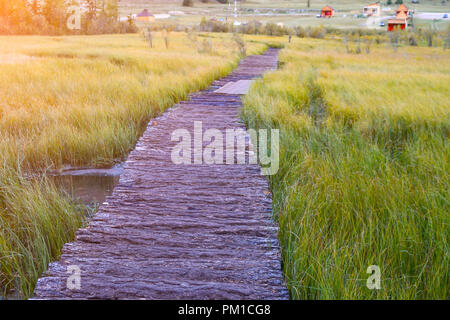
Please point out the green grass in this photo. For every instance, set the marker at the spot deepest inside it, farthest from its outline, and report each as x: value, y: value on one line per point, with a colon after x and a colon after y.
x: 85, y: 100
x: 364, y: 170
x: 364, y: 153
x: 80, y: 101
x: 346, y: 9
x: 160, y: 6
x: 36, y: 221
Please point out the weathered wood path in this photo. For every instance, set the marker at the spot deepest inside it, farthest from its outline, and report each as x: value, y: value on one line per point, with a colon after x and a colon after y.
x: 180, y: 231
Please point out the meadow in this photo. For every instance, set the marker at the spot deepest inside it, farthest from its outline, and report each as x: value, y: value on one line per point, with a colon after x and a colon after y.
x: 364, y: 173
x: 364, y: 168
x: 81, y: 102
x: 162, y: 6
x: 346, y: 10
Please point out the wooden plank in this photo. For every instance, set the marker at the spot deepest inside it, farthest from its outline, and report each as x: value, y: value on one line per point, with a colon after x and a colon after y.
x: 240, y: 87
x: 225, y: 87
x: 179, y: 231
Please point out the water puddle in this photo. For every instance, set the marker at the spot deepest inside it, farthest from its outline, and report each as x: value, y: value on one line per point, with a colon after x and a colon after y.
x: 89, y: 186
x: 85, y: 185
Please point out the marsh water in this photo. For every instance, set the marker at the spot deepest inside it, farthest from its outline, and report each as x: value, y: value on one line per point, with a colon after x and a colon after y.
x: 89, y: 186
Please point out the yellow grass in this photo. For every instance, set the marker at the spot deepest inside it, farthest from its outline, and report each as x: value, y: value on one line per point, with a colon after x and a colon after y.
x: 86, y: 100
x: 364, y: 168
x: 80, y: 101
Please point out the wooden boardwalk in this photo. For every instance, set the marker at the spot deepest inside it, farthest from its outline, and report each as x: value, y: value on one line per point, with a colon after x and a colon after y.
x: 180, y: 231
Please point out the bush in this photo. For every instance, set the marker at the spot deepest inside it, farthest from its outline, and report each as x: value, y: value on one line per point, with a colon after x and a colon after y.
x: 316, y: 32
x: 242, y: 47
x: 300, y: 32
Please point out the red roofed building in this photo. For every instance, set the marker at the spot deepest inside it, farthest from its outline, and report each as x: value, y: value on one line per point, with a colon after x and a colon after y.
x: 372, y: 10
x: 145, y: 16
x: 402, y: 9
x: 400, y: 22
x: 327, y: 12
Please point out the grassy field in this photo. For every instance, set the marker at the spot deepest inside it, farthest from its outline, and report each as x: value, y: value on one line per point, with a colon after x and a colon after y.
x: 161, y: 6
x: 346, y: 9
x: 35, y: 222
x: 364, y: 149
x: 364, y: 172
x: 87, y: 99
x: 80, y: 101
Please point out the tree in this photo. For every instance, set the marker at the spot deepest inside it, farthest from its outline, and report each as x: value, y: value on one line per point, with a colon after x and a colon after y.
x: 35, y: 7
x: 55, y: 12
x: 5, y: 9
x: 111, y: 9
x: 15, y: 13
x: 92, y: 6
x: 51, y: 17
x: 203, y: 24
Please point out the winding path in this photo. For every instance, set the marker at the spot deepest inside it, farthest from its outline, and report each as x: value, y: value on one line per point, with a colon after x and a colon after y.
x: 180, y: 231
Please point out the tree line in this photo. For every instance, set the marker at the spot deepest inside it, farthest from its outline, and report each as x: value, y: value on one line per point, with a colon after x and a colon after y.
x: 49, y: 17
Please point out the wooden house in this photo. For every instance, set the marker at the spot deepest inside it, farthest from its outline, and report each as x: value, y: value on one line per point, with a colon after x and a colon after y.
x: 399, y: 23
x: 403, y: 9
x: 145, y: 16
x: 401, y: 19
x: 327, y: 12
x: 373, y: 10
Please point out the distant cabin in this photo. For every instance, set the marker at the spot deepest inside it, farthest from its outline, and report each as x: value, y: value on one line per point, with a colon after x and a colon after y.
x: 401, y: 19
x: 145, y: 16
x: 327, y: 12
x: 373, y: 10
x: 402, y: 9
x: 399, y: 23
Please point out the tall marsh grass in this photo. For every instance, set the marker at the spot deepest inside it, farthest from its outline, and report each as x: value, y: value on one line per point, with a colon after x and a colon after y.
x: 35, y: 222
x: 86, y: 100
x: 364, y: 169
x: 80, y: 101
